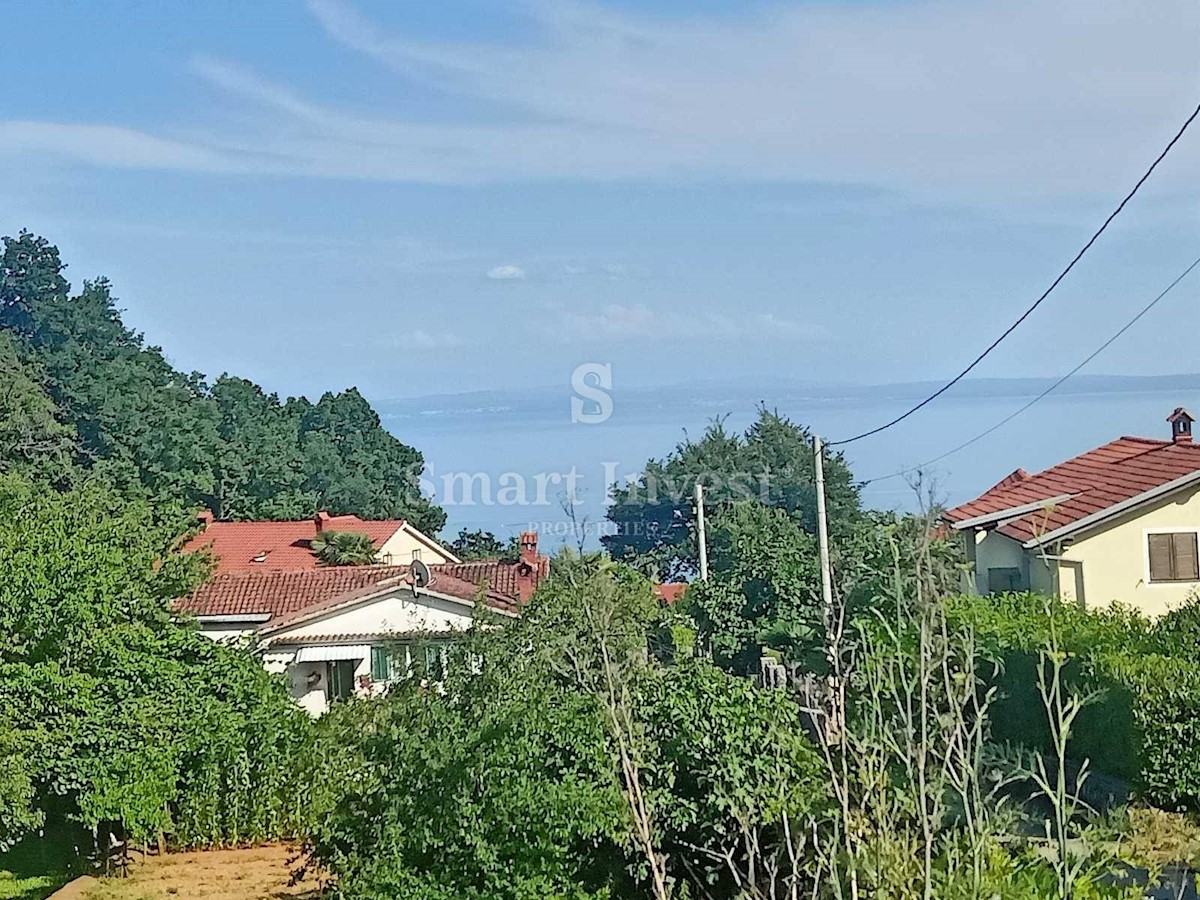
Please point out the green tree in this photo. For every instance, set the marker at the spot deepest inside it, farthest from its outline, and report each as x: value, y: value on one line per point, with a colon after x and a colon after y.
x: 344, y: 548
x: 150, y: 429
x: 554, y: 749
x: 260, y: 467
x: 763, y: 589
x: 484, y: 545
x: 160, y: 433
x: 33, y: 439
x: 771, y: 464
x: 140, y: 724
x: 353, y: 465
x: 30, y: 273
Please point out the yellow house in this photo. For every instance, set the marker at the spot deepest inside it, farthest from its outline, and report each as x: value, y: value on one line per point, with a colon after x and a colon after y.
x: 1117, y: 523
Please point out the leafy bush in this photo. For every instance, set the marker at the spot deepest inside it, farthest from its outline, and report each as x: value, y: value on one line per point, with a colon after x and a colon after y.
x: 344, y: 548
x: 514, y: 779
x: 140, y: 725
x: 1144, y: 724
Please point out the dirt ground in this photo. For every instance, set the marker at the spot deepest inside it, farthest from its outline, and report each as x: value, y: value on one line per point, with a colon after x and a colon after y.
x: 260, y: 873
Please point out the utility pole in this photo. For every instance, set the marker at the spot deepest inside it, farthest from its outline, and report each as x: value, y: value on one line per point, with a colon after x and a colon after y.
x: 700, y: 531
x: 823, y: 530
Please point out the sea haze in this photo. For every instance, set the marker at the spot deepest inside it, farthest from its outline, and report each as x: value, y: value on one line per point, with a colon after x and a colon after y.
x: 529, y: 432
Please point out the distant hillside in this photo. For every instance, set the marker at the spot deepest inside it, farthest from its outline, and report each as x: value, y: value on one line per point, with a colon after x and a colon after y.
x: 549, y: 402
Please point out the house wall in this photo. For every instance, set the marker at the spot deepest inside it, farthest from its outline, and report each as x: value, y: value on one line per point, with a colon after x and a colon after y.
x: 995, y: 551
x: 398, y: 612
x: 398, y: 550
x: 1115, y: 563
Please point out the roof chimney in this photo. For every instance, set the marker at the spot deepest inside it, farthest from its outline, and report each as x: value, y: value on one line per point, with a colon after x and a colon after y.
x: 322, y: 519
x: 528, y: 542
x: 1181, y: 425
x: 527, y: 565
x: 206, y: 517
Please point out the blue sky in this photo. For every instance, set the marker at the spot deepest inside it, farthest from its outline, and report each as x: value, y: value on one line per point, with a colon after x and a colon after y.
x: 437, y: 197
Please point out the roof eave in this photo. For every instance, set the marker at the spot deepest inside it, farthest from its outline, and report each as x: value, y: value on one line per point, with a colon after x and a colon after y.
x: 1013, y: 512
x: 300, y: 619
x: 1116, y: 509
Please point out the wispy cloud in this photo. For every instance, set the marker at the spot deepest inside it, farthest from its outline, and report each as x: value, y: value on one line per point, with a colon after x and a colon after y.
x: 636, y: 322
x: 505, y: 273
x: 932, y: 96
x: 112, y: 146
x: 420, y: 339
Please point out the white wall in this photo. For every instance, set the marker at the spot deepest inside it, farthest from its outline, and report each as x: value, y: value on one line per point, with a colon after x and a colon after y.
x: 397, y: 612
x: 995, y: 551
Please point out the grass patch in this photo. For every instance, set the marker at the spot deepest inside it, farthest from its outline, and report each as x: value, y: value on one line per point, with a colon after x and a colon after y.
x: 36, y: 868
x: 19, y: 886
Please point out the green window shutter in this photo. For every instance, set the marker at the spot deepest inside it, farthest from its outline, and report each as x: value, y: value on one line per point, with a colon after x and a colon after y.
x: 379, y: 664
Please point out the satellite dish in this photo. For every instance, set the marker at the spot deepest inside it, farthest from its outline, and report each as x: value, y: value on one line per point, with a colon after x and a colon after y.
x: 421, y: 576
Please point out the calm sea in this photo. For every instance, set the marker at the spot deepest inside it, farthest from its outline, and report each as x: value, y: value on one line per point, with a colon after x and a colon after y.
x: 501, y: 461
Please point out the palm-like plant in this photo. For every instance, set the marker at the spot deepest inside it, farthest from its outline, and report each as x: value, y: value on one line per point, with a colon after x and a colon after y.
x: 343, y: 548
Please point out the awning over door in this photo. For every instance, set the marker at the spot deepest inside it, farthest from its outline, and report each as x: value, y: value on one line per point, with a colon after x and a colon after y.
x: 333, y: 652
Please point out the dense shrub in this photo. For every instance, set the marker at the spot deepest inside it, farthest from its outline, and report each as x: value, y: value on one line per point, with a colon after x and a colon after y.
x: 508, y: 781
x: 1143, y: 721
x: 1155, y: 699
x: 131, y: 721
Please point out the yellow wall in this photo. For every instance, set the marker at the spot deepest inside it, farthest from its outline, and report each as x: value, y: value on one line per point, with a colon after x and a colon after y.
x: 398, y: 550
x: 1114, y: 562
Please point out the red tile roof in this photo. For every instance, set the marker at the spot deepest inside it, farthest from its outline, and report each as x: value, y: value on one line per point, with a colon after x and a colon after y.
x: 287, y: 594
x: 1120, y: 470
x: 441, y: 584
x: 286, y: 544
x: 671, y: 591
x: 504, y: 577
x: 280, y: 593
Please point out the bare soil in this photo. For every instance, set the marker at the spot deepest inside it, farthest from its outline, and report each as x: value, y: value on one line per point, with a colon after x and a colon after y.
x: 258, y: 873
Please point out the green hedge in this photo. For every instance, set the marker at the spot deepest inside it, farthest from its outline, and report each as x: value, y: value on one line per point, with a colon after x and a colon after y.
x: 1144, y: 723
x: 1152, y: 701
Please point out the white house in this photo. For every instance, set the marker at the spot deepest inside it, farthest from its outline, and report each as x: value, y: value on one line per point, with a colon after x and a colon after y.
x: 337, y: 631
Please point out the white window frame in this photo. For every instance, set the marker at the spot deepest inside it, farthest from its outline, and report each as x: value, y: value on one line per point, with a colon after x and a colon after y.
x: 1176, y: 529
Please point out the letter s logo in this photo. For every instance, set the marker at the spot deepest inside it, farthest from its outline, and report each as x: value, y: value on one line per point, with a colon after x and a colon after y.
x: 592, y: 382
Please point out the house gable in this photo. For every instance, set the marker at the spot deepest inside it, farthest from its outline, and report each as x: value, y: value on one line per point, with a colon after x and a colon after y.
x: 396, y: 611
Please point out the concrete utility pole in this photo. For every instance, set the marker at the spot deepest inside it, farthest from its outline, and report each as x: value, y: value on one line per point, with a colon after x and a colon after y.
x: 700, y: 531
x: 823, y: 531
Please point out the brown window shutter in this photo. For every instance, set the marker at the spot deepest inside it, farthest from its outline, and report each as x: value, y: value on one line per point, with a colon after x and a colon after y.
x: 1187, y: 563
x: 1161, y: 557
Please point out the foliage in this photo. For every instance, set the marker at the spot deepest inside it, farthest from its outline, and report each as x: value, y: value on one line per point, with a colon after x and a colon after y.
x: 33, y: 439
x: 1152, y: 702
x: 763, y: 589
x: 344, y: 548
x: 140, y: 724
x: 510, y: 781
x: 772, y: 464
x: 481, y: 544
x: 1143, y: 723
x: 30, y: 272
x: 168, y: 435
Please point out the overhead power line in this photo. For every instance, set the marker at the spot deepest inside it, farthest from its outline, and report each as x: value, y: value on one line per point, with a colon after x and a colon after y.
x: 1025, y: 315
x: 1124, y: 328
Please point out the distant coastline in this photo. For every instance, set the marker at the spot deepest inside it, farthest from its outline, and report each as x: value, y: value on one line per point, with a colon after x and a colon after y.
x: 716, y: 397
